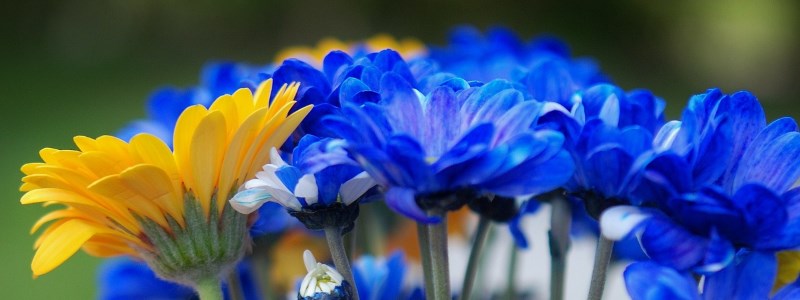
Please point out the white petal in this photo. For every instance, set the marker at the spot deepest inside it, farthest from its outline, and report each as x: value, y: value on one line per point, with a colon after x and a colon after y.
x: 249, y: 200
x: 356, y: 187
x: 307, y: 188
x: 254, y: 184
x: 617, y: 222
x: 275, y: 158
x: 283, y: 197
x: 309, y: 260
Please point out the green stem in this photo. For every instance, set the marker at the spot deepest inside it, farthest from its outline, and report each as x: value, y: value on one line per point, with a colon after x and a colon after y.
x: 602, y: 258
x: 437, y: 233
x: 511, y: 288
x: 481, y: 234
x: 336, y: 245
x: 235, y: 286
x: 560, y: 221
x: 425, y: 255
x: 209, y: 289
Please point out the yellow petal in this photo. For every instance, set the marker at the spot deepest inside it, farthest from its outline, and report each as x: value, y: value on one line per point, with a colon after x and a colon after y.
x: 151, y: 150
x: 85, y: 143
x: 275, y: 139
x: 101, y: 164
x: 60, y: 244
x: 154, y: 185
x: 55, y: 215
x: 263, y: 93
x: 115, y: 189
x: 208, y: 147
x: 184, y: 130
x: 231, y: 165
x: 227, y: 106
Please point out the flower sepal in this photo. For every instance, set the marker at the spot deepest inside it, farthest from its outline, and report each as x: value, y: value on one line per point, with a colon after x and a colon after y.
x: 319, y: 216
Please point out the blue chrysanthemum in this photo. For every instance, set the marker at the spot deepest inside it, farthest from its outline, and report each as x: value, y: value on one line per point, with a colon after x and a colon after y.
x: 542, y: 65
x: 724, y: 182
x: 424, y: 148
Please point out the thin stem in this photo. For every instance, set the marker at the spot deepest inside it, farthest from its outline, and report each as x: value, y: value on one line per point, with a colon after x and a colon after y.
x: 235, y: 286
x: 602, y: 257
x: 560, y: 221
x: 425, y: 254
x: 437, y: 233
x: 209, y: 289
x: 481, y: 235
x: 511, y: 288
x: 336, y: 244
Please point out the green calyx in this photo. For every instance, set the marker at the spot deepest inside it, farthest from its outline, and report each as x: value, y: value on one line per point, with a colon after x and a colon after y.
x: 207, y: 248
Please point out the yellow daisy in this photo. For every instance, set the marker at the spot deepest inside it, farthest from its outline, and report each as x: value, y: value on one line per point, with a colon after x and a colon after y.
x: 142, y: 199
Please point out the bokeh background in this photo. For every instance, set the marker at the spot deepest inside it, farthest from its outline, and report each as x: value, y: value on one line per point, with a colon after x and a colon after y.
x: 72, y: 67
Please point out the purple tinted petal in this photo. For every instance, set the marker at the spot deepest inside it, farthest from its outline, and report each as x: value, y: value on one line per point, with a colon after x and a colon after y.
x: 442, y: 121
x: 402, y: 200
x: 403, y: 106
x: 670, y: 244
x: 751, y: 277
x: 774, y: 163
x: 651, y: 281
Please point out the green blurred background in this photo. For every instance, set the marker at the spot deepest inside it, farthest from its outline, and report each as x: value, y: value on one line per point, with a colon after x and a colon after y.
x: 86, y: 67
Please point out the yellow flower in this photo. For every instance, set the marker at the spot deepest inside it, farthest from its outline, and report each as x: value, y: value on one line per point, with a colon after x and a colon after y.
x: 788, y: 268
x: 408, y: 48
x: 141, y: 199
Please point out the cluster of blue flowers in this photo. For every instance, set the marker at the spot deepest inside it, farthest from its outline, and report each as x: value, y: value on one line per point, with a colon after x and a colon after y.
x: 492, y: 117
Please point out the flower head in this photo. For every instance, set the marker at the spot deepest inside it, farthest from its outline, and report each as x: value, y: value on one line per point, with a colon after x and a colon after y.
x: 455, y: 139
x: 168, y: 208
x: 322, y: 282
x: 316, y: 182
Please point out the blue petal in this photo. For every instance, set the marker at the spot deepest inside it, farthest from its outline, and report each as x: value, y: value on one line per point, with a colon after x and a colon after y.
x: 519, y: 118
x: 606, y: 169
x: 550, y: 80
x: 765, y: 214
x: 390, y: 61
x: 533, y: 178
x: 774, y: 163
x: 289, y: 176
x: 392, y: 284
x: 442, y: 121
x: 125, y: 278
x: 497, y: 105
x: 335, y: 62
x: 719, y: 254
x: 349, y: 88
x: 527, y: 207
x: 750, y: 278
x: 295, y: 70
x: 403, y: 106
x: 747, y: 118
x: 665, y: 176
x: 402, y: 200
x: 669, y: 244
x: 410, y: 157
x: 651, y: 281
x: 476, y: 98
x: 712, y: 154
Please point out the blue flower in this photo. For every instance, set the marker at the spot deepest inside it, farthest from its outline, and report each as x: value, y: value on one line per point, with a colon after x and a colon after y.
x: 453, y: 139
x: 723, y: 182
x: 750, y: 277
x: 317, y: 179
x: 380, y: 278
x: 608, y: 132
x: 543, y: 65
x: 124, y: 278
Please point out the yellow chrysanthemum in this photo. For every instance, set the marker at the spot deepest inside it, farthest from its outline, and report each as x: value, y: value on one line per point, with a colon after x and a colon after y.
x: 408, y: 48
x: 788, y: 268
x: 142, y: 199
